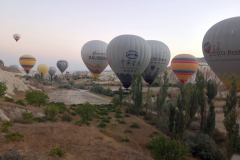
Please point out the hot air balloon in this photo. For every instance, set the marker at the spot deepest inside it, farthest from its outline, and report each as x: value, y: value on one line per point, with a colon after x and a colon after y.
x: 52, y: 71
x: 13, y: 66
x: 62, y: 65
x: 160, y: 57
x: 184, y: 66
x: 16, y: 37
x: 94, y: 56
x: 27, y: 62
x: 42, y: 69
x: 221, y: 49
x: 126, y: 55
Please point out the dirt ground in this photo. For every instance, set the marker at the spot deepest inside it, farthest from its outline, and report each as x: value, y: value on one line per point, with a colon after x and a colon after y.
x: 76, y: 97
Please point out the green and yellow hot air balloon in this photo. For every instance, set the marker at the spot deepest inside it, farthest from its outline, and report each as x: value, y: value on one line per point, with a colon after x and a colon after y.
x: 27, y: 62
x: 42, y: 69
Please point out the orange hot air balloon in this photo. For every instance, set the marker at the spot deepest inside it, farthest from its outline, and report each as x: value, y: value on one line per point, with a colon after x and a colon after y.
x: 184, y: 66
x: 27, y: 62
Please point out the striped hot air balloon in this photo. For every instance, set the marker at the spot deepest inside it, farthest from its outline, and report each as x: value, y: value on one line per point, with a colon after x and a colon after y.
x: 184, y: 66
x: 27, y: 62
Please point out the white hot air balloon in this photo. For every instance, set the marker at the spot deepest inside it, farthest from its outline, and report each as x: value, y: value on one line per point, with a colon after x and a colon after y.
x: 62, y: 65
x: 160, y: 57
x: 128, y: 54
x: 13, y: 66
x: 94, y: 56
x: 52, y: 70
x: 16, y: 37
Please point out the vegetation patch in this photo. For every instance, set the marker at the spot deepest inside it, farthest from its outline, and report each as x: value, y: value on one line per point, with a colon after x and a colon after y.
x: 102, y: 125
x: 128, y: 131
x: 125, y: 140
x: 134, y: 125
x: 14, y: 137
x: 20, y: 102
x: 5, y: 126
x: 57, y: 152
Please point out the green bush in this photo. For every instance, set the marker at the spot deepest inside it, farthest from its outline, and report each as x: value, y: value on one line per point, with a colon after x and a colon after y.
x: 128, y: 131
x: 218, y: 137
x: 73, y: 105
x: 131, y: 110
x: 56, y: 152
x: 203, y: 147
x: 82, y: 122
x: 125, y: 140
x: 67, y: 117
x: 14, y: 137
x: 79, y: 86
x: 126, y: 115
x: 161, y: 149
x: 5, y: 126
x: 3, y: 89
x: 121, y: 121
x: 102, y: 125
x: 134, y: 125
x: 36, y: 98
x: 7, y: 99
x: 118, y: 116
x: 51, y: 112
x: 20, y: 102
x: 68, y: 86
x: 73, y: 114
x: 28, y: 117
x: 113, y: 126
x: 99, y: 89
x: 106, y: 120
x: 86, y: 111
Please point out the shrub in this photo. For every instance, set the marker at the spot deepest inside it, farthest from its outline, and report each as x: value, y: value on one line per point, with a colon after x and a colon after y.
x: 105, y: 120
x: 62, y: 109
x: 118, y: 116
x: 99, y: 89
x: 73, y: 105
x: 28, y: 117
x: 113, y: 126
x: 125, y: 140
x: 11, y: 155
x: 161, y: 149
x: 14, y: 137
x: 102, y: 125
x: 126, y: 115
x: 131, y: 110
x: 7, y: 99
x: 134, y: 125
x: 82, y: 122
x: 79, y: 86
x: 218, y: 137
x: 148, y: 117
x: 73, y: 114
x: 3, y: 89
x: 51, y: 112
x: 67, y: 117
x: 68, y: 86
x: 121, y: 121
x: 86, y: 111
x: 5, y: 126
x: 56, y: 152
x: 20, y: 102
x: 36, y: 98
x: 128, y: 131
x: 203, y: 147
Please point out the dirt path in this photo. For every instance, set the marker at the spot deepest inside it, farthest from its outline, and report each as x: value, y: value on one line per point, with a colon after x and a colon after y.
x: 76, y: 97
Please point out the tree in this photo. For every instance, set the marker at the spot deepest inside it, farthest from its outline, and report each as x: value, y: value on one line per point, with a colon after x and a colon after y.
x: 171, y: 124
x: 120, y: 94
x: 148, y: 104
x: 51, y: 112
x: 3, y: 89
x: 162, y: 93
x: 86, y: 111
x: 200, y: 82
x: 116, y: 102
x: 137, y: 86
x: 36, y: 98
x: 72, y: 82
x: 179, y: 118
x: 231, y: 120
x: 211, y: 93
x: 161, y: 149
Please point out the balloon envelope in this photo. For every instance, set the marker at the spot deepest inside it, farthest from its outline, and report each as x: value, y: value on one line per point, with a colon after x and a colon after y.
x: 221, y: 49
x: 13, y: 66
x: 42, y: 69
x: 126, y: 55
x: 16, y: 37
x: 52, y: 70
x: 184, y: 66
x: 27, y: 62
x: 62, y: 65
x: 160, y: 57
x: 94, y: 56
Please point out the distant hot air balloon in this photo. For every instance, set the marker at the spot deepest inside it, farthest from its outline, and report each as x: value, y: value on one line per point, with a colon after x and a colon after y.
x: 42, y: 69
x: 52, y: 71
x: 160, y: 57
x: 62, y: 65
x: 126, y: 55
x: 13, y: 66
x: 94, y: 56
x: 16, y: 37
x: 221, y: 49
x: 184, y: 66
x: 27, y: 62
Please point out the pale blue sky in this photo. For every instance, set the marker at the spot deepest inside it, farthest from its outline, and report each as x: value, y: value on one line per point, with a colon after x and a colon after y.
x: 57, y: 29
